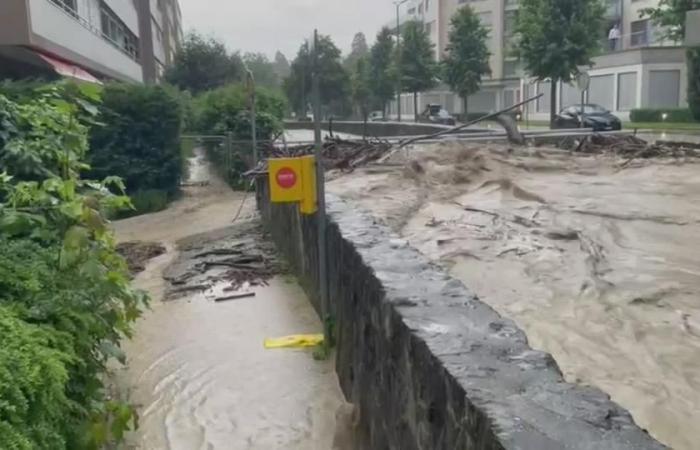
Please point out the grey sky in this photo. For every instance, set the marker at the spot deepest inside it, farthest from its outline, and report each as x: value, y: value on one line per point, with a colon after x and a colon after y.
x: 268, y: 25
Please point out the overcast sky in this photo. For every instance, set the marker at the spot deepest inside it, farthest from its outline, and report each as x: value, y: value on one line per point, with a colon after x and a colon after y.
x: 270, y: 25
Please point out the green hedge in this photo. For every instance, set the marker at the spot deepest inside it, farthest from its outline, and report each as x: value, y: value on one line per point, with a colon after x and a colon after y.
x: 139, y: 140
x: 226, y: 110
x: 673, y: 115
x: 65, y: 298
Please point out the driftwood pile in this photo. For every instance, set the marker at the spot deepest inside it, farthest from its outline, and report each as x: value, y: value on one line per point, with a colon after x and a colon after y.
x: 339, y: 153
x: 138, y: 253
x: 630, y: 146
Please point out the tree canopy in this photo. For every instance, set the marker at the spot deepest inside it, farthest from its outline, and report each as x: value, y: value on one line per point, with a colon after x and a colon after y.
x: 361, y: 91
x: 359, y: 49
x: 557, y: 37
x: 417, y: 60
x: 203, y: 64
x: 263, y: 70
x: 670, y: 14
x: 467, y: 56
x: 382, y: 75
x: 334, y: 81
x: 281, y: 65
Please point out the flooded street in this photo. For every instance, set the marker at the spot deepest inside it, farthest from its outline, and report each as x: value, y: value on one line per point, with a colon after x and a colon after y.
x: 599, y: 266
x: 197, y: 369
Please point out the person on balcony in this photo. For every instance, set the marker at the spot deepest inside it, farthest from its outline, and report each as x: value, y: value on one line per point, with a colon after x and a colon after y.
x: 614, y: 37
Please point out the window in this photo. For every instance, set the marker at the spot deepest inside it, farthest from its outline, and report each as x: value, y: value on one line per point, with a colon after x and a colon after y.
x: 68, y: 6
x: 114, y: 30
x: 640, y: 33
x: 664, y: 88
x: 626, y: 91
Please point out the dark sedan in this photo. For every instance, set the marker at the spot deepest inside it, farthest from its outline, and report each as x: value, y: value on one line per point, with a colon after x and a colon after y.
x: 594, y: 116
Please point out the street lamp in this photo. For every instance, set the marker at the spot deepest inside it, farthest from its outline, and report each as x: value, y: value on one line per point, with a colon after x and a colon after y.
x: 398, y: 4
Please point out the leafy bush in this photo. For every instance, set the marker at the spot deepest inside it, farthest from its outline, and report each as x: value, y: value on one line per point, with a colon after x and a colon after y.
x: 226, y: 110
x: 148, y: 201
x: 139, y: 141
x: 65, y: 300
x: 677, y: 115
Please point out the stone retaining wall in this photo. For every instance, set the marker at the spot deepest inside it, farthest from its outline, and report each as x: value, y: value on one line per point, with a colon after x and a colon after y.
x: 429, y: 365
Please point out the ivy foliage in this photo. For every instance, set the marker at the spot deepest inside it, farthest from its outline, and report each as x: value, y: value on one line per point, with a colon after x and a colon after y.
x: 65, y: 299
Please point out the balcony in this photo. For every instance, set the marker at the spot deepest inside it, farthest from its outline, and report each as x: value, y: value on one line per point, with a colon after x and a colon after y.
x: 59, y: 29
x: 636, y: 40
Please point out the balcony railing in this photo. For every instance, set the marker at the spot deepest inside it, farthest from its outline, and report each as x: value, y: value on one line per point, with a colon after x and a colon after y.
x: 630, y: 41
x: 67, y: 9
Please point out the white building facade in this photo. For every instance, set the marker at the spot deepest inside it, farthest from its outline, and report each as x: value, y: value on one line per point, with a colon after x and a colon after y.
x: 104, y: 39
x: 640, y: 70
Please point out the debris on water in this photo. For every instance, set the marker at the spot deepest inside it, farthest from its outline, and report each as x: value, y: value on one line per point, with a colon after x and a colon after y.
x: 234, y: 297
x: 339, y: 153
x: 236, y: 260
x: 138, y: 253
x: 629, y: 146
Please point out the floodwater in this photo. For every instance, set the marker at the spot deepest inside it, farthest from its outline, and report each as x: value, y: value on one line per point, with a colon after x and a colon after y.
x: 197, y: 369
x: 599, y: 265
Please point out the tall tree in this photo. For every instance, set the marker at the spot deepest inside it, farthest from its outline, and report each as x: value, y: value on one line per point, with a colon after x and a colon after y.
x: 281, y: 65
x: 671, y: 14
x: 203, y: 64
x: 263, y: 70
x: 382, y: 76
x: 557, y: 37
x: 361, y: 92
x: 417, y: 60
x: 334, y: 80
x: 359, y: 49
x: 467, y: 56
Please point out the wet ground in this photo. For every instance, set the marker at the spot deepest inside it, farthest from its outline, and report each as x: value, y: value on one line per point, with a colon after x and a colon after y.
x: 600, y: 266
x: 197, y: 368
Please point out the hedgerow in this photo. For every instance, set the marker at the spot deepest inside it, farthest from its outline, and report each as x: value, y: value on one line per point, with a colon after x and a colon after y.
x: 65, y: 298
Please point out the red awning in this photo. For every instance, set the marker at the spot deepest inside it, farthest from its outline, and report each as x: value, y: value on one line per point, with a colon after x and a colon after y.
x: 69, y: 70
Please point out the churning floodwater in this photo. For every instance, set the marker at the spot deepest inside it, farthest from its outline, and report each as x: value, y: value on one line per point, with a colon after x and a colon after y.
x: 197, y: 369
x: 599, y: 265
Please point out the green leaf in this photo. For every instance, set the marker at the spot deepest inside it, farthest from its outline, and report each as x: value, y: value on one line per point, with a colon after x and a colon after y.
x: 110, y: 350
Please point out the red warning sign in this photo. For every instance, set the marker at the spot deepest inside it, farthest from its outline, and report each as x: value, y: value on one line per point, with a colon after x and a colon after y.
x: 286, y: 178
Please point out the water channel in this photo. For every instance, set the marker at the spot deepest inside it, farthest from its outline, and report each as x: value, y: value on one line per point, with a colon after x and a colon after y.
x: 197, y: 369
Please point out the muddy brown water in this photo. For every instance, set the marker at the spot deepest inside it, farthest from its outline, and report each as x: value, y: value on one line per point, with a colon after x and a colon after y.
x: 197, y: 369
x: 599, y: 266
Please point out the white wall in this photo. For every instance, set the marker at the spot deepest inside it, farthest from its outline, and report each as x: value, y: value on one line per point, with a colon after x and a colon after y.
x: 60, y: 28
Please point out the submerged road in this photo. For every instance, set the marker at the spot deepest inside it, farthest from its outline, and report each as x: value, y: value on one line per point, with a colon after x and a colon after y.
x: 197, y: 369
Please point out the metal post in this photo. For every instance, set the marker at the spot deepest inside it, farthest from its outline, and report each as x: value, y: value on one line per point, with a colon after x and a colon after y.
x: 253, y: 118
x: 321, y: 188
x: 583, y: 101
x: 398, y: 58
x: 228, y: 148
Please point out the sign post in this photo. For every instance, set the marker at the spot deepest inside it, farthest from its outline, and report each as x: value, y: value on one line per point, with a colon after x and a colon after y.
x: 321, y: 194
x: 583, y: 81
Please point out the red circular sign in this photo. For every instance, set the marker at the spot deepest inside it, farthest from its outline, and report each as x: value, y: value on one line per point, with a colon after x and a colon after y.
x: 286, y: 178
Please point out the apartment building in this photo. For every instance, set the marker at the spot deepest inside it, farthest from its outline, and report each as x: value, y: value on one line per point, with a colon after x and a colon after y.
x: 638, y: 70
x: 91, y: 40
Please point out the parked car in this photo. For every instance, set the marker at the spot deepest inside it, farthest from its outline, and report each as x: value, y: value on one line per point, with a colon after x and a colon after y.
x: 376, y: 116
x: 437, y: 114
x: 594, y: 116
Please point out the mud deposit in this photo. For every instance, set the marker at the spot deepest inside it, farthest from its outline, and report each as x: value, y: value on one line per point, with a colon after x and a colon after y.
x: 599, y: 265
x: 197, y: 368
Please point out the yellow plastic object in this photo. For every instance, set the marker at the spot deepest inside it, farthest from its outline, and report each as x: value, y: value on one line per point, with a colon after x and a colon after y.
x: 309, y: 201
x: 295, y: 341
x: 285, y: 180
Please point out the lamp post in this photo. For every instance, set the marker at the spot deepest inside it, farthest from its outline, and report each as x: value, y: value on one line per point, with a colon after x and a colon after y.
x: 398, y: 4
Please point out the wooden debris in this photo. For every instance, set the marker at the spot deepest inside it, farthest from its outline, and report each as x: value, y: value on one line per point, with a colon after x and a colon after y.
x: 630, y: 147
x: 338, y: 153
x: 234, y: 297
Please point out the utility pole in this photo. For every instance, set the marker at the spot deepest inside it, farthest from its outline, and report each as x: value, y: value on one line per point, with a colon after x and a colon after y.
x: 253, y: 114
x: 398, y: 4
x: 321, y: 191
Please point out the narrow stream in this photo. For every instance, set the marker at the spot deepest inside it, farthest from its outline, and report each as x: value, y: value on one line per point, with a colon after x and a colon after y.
x: 197, y: 369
